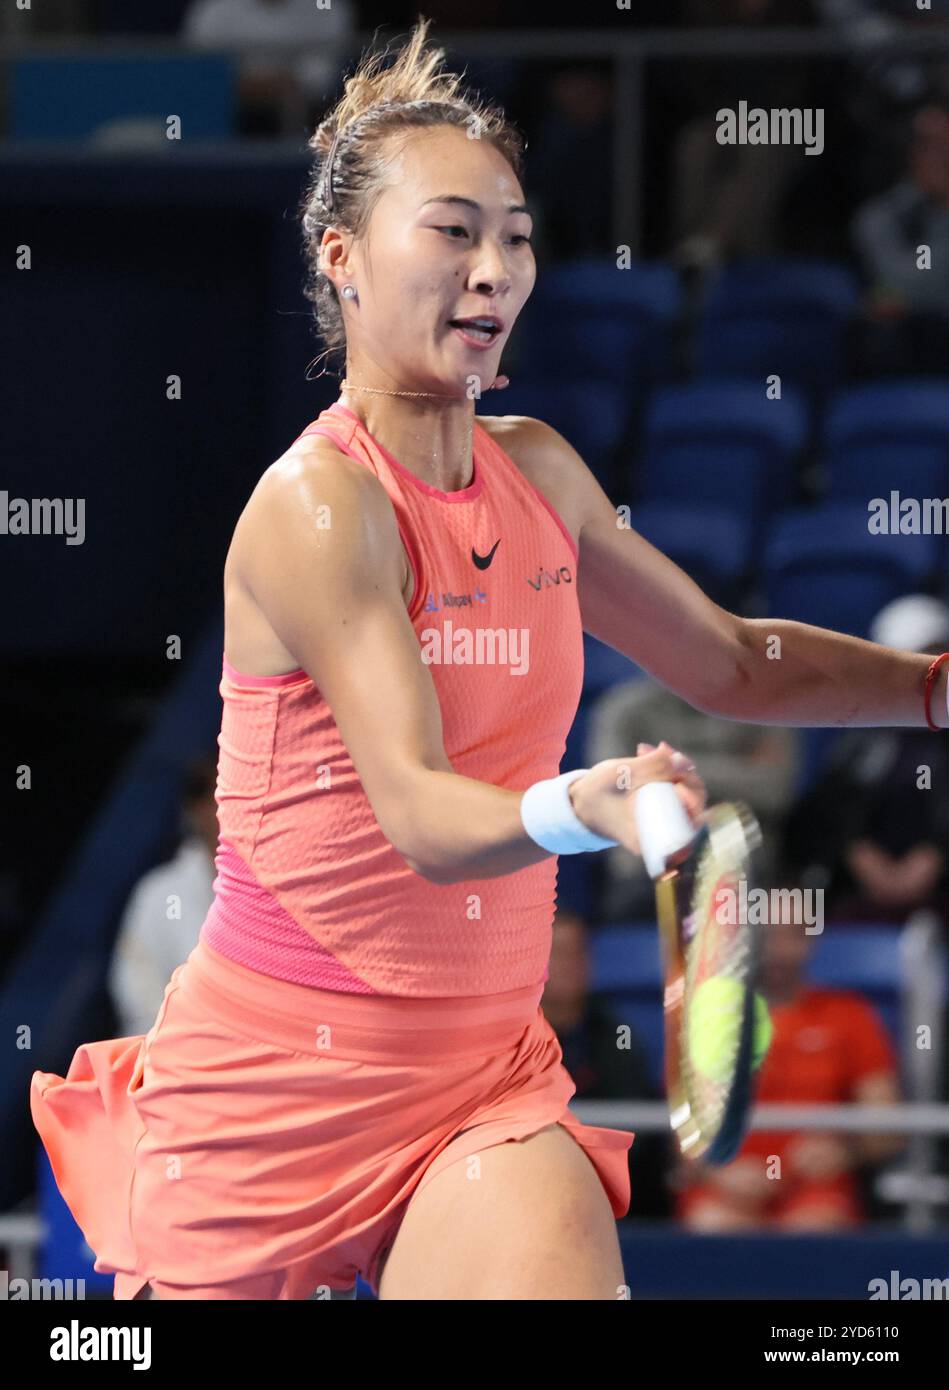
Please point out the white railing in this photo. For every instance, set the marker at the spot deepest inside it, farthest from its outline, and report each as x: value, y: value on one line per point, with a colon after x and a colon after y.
x: 653, y: 1116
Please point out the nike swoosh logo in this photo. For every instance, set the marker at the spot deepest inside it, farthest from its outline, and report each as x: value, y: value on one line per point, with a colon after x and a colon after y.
x: 483, y: 561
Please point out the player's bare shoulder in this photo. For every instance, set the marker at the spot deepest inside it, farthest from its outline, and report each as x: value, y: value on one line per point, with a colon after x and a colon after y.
x: 312, y: 463
x: 547, y: 460
x: 313, y: 490
x: 527, y: 441
x: 537, y: 448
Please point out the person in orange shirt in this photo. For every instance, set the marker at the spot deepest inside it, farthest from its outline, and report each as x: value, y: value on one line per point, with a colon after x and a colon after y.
x: 829, y: 1047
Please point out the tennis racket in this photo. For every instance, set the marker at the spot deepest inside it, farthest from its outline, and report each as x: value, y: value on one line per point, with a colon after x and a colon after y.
x: 703, y: 936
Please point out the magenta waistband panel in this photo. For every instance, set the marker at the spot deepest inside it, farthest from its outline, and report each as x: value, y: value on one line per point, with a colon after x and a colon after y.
x: 247, y: 924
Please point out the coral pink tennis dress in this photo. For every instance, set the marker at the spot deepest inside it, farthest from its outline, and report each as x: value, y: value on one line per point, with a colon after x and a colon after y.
x: 344, y: 1029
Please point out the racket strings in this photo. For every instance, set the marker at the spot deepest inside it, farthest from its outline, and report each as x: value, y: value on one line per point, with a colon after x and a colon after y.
x: 718, y: 945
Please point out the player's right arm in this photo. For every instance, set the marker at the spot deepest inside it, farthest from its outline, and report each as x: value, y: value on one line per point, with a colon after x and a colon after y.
x: 332, y: 594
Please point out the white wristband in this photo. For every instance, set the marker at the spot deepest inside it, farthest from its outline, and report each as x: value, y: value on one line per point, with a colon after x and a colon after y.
x: 550, y: 820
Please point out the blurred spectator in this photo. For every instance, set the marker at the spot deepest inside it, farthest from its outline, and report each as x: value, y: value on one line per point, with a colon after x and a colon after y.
x: 726, y: 198
x: 747, y: 762
x: 571, y: 162
x: 906, y: 324
x: 828, y: 1048
x: 166, y: 910
x: 866, y: 832
x: 590, y: 1037
x: 292, y: 53
x: 868, y: 27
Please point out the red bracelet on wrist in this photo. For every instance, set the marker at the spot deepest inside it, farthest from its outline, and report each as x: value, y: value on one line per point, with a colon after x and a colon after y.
x: 930, y: 678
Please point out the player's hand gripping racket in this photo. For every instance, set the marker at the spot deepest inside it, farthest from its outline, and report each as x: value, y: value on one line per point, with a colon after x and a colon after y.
x: 710, y: 958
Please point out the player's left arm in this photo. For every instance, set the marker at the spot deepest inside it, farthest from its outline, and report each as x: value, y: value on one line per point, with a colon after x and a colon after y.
x: 755, y: 670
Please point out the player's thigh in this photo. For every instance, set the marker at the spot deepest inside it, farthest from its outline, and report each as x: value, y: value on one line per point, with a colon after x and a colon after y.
x: 524, y: 1219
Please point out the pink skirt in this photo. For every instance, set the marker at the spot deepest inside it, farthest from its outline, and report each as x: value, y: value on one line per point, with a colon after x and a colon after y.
x: 263, y: 1140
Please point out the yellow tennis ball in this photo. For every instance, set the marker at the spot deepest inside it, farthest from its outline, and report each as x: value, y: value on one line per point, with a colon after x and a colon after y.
x: 762, y: 1033
x: 715, y: 1025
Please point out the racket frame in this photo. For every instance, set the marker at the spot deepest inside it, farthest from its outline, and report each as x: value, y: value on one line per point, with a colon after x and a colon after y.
x: 730, y: 830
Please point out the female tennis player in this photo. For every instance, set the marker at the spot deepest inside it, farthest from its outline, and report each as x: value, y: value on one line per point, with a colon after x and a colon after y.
x: 351, y: 1072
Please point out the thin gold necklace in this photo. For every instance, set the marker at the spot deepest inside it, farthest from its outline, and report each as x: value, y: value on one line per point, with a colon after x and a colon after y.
x: 377, y: 390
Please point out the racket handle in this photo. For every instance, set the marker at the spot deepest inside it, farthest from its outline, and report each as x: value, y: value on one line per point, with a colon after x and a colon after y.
x: 663, y: 825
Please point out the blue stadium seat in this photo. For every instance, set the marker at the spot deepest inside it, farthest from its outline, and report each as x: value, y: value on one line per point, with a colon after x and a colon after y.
x: 603, y: 667
x: 64, y: 1253
x: 594, y: 282
x: 625, y: 956
x: 626, y: 970
x: 873, y: 467
x: 724, y: 444
x: 782, y: 316
x: 610, y: 344
x: 888, y: 434
x: 815, y: 747
x: 712, y: 544
x: 592, y: 415
x: 865, y: 959
x: 821, y: 565
x: 66, y: 97
x: 588, y: 318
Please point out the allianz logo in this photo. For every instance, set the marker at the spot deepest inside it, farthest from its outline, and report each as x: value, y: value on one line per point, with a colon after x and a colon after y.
x: 455, y: 600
